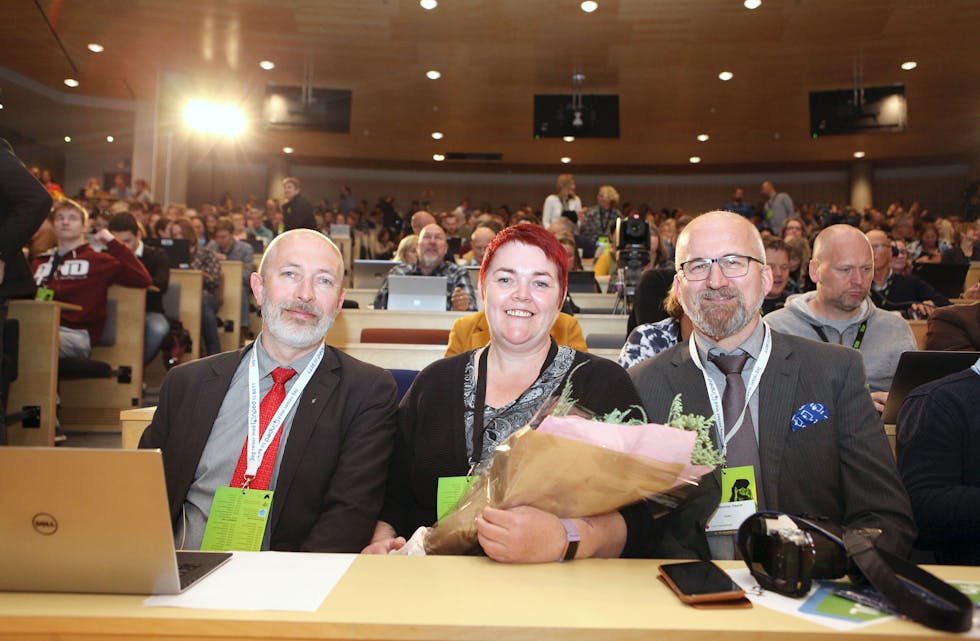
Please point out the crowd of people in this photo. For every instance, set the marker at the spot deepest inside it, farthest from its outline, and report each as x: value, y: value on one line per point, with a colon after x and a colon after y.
x: 796, y: 392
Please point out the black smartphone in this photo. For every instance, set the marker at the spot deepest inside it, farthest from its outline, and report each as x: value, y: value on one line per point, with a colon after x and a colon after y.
x: 700, y: 582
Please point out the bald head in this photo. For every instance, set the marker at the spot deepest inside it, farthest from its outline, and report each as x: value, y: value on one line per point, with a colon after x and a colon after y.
x: 842, y: 267
x: 715, y: 222
x: 837, y: 238
x: 283, y: 242
x: 420, y: 219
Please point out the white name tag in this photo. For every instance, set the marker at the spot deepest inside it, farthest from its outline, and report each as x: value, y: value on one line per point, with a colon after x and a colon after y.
x: 729, y: 516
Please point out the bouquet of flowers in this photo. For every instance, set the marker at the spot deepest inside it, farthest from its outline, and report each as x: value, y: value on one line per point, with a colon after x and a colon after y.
x: 573, y: 466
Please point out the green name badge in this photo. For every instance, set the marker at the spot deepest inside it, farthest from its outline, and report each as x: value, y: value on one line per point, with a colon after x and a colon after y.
x: 237, y: 520
x: 738, y: 484
x: 451, y: 489
x: 43, y: 293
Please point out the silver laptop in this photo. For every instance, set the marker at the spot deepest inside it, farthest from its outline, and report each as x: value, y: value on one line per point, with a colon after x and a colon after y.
x: 369, y: 274
x: 417, y: 293
x: 339, y: 231
x: 90, y: 520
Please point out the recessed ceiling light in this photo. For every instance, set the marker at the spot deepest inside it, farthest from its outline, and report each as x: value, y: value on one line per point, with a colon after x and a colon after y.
x: 859, y: 154
x: 726, y: 75
x: 71, y: 82
x: 428, y: 5
x: 67, y: 138
x: 910, y: 65
x: 703, y: 137
x: 432, y: 74
x: 437, y: 135
x: 288, y: 150
x: 268, y: 65
x: 752, y: 4
x: 438, y: 157
x: 109, y: 139
x: 589, y: 6
x: 694, y: 160
x: 569, y: 138
x: 95, y: 47
x: 565, y: 160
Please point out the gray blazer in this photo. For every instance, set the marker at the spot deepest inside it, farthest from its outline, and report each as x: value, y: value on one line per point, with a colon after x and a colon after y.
x: 841, y: 467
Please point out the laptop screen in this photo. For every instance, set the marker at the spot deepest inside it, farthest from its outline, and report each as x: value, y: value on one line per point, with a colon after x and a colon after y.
x: 178, y: 250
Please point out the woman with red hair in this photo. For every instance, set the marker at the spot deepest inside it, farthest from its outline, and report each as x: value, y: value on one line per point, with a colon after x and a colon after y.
x: 460, y: 408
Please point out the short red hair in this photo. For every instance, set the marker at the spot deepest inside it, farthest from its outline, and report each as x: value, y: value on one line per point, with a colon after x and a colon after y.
x: 535, y: 236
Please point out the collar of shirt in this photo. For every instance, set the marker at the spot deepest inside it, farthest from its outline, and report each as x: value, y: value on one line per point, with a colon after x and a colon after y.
x: 139, y: 250
x: 267, y: 363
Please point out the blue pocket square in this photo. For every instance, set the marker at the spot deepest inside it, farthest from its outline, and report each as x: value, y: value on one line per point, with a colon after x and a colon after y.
x: 808, y: 415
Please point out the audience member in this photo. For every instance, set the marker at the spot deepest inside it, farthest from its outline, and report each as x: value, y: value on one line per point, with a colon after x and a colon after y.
x: 324, y: 459
x: 489, y: 393
x: 24, y: 206
x: 205, y: 260
x: 954, y: 328
x: 779, y: 207
x: 777, y: 257
x: 840, y: 312
x: 929, y: 250
x: 297, y: 211
x: 119, y: 188
x: 225, y: 247
x: 432, y: 262
x: 938, y: 447
x: 421, y: 219
x: 473, y: 331
x: 649, y: 339
x: 479, y: 241
x: 965, y: 248
x: 127, y: 231
x: 781, y: 402
x: 799, y: 263
x: 794, y: 228
x: 737, y: 204
x: 564, y: 203
x: 600, y: 219
x: 257, y: 229
x: 897, y: 292
x: 75, y: 273
x: 408, y: 250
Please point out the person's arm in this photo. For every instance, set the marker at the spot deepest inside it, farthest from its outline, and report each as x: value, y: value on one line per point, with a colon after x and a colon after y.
x: 381, y: 298
x: 26, y: 204
x: 528, y: 535
x: 462, y: 282
x: 355, y: 492
x: 931, y: 459
x: 131, y: 272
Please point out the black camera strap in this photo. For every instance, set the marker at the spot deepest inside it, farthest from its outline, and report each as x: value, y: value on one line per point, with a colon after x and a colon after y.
x: 915, y: 593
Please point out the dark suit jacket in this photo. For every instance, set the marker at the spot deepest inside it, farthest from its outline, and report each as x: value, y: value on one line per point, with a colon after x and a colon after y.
x: 24, y: 204
x: 954, y: 328
x: 332, y: 477
x: 841, y: 467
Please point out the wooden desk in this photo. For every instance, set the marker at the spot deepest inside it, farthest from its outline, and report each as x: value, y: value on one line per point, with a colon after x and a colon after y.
x: 350, y: 322
x: 37, y: 369
x: 132, y: 423
x: 191, y: 291
x: 448, y: 598
x: 919, y: 328
x: 229, y: 336
x: 93, y: 404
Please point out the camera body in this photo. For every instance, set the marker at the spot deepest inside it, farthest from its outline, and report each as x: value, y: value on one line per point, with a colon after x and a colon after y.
x: 633, y: 249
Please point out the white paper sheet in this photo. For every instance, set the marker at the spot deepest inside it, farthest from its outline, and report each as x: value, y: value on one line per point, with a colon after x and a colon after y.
x: 789, y: 605
x: 264, y: 581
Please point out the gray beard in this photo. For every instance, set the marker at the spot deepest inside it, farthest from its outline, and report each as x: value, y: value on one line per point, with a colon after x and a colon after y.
x: 292, y: 334
x: 719, y: 325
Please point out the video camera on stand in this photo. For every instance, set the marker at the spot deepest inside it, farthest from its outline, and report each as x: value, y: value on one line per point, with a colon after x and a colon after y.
x: 633, y: 251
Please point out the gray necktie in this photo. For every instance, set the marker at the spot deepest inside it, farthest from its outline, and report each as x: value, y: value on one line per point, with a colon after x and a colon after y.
x: 743, y: 448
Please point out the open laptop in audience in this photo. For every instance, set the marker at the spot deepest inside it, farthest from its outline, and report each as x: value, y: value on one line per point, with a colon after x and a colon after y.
x: 369, y: 274
x: 93, y: 521
x: 257, y: 244
x: 417, y: 293
x: 178, y: 250
x: 339, y: 231
x: 945, y: 278
x: 919, y: 368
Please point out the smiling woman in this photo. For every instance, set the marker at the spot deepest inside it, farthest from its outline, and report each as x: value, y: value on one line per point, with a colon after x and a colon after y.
x: 461, y: 408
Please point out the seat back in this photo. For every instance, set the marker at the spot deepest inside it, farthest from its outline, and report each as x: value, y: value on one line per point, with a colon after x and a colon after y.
x: 171, y: 301
x: 108, y: 338
x: 405, y: 336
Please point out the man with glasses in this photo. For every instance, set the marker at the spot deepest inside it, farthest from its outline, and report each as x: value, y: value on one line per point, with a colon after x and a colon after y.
x: 840, y: 312
x: 793, y: 416
x: 906, y: 293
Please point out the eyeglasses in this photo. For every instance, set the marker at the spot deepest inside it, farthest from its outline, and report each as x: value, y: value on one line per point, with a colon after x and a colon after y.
x: 732, y: 266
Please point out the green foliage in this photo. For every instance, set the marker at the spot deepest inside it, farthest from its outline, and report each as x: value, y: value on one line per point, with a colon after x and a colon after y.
x: 705, y: 452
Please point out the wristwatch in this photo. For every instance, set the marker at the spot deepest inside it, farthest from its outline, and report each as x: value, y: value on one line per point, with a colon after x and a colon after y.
x: 572, y: 537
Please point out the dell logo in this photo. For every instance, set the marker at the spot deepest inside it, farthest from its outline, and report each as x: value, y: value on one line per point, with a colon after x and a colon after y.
x: 44, y: 523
